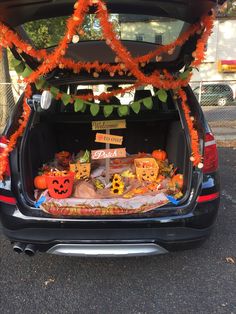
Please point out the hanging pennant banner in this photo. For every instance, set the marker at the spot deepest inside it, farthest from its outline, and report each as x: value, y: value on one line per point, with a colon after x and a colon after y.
x: 108, y: 124
x: 108, y: 153
x: 109, y: 139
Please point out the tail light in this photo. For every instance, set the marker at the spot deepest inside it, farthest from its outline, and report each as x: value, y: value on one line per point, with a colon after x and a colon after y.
x: 5, y: 185
x: 210, y: 154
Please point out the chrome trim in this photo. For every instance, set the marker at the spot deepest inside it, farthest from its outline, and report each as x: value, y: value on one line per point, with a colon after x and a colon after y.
x: 107, y: 250
x: 210, y: 143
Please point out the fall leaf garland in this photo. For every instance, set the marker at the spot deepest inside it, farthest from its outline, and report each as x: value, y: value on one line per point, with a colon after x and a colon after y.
x: 125, y: 65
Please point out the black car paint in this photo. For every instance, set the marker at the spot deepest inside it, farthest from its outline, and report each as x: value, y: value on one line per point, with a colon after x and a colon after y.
x: 187, y: 224
x: 184, y: 226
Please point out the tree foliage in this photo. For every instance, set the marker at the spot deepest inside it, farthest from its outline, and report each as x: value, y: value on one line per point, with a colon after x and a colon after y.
x: 228, y: 9
x: 48, y: 32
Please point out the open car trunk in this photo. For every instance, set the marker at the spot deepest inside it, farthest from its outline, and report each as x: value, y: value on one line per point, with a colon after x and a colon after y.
x: 55, y: 130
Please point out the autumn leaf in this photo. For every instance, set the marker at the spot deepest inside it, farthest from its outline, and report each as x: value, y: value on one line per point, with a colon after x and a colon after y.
x: 136, y: 106
x: 162, y: 95
x: 123, y: 110
x: 148, y: 103
x: 94, y: 109
x: 107, y: 110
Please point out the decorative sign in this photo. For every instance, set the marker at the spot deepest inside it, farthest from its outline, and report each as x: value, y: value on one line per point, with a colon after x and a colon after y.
x: 108, y: 124
x: 109, y: 139
x: 108, y: 153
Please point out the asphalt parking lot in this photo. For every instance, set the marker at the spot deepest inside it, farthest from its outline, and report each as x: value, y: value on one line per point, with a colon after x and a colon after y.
x: 197, y: 281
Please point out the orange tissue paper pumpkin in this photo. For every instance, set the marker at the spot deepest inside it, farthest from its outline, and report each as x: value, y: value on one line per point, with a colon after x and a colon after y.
x: 159, y: 154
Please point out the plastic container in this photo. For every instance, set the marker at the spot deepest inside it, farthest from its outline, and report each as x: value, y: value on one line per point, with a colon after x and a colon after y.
x: 81, y: 171
x: 60, y: 186
x: 147, y: 169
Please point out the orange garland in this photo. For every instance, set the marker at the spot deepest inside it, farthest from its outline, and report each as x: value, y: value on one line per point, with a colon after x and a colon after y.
x: 196, y: 157
x: 14, y: 137
x: 127, y: 65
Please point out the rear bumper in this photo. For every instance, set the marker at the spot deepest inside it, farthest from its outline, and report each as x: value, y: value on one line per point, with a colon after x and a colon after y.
x: 171, y: 233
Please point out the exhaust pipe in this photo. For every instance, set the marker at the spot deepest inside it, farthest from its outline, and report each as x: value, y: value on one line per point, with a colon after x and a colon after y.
x: 18, y: 247
x: 30, y: 249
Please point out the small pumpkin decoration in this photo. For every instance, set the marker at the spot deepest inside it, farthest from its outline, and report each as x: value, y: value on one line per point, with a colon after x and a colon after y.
x: 178, y: 180
x: 159, y: 154
x: 60, y: 184
x: 40, y: 182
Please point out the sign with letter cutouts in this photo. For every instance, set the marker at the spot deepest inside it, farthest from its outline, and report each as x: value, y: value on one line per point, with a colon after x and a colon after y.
x: 108, y: 124
x: 108, y: 153
x: 109, y: 139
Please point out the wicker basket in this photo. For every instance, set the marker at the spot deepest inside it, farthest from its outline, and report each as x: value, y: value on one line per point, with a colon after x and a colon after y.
x: 147, y: 169
x: 82, y: 171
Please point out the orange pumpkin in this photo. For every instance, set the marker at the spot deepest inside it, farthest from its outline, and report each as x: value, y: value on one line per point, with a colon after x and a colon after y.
x: 40, y: 182
x: 178, y: 180
x: 159, y: 154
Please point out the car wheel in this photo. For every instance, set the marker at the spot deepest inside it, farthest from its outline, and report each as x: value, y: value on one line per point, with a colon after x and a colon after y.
x: 222, y: 102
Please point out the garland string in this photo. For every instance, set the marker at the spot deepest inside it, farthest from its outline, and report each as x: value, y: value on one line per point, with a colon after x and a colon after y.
x: 126, y: 65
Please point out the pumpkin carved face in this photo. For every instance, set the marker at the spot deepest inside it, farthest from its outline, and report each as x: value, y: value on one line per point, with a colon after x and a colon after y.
x: 149, y: 175
x: 60, y: 186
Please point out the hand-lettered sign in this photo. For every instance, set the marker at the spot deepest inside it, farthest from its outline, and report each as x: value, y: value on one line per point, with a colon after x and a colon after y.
x: 108, y: 153
x: 108, y: 124
x: 109, y: 139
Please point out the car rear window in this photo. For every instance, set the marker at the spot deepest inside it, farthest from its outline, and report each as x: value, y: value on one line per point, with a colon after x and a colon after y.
x: 46, y: 33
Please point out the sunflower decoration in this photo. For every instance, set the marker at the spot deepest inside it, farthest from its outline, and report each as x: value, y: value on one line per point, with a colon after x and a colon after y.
x: 117, y: 185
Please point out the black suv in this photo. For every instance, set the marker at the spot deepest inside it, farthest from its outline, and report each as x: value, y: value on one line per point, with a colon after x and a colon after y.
x: 167, y: 228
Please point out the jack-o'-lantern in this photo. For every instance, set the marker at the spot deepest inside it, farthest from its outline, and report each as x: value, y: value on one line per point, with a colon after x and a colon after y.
x: 60, y: 184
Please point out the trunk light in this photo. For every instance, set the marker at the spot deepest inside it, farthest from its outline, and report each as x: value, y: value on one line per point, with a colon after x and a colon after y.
x: 210, y: 154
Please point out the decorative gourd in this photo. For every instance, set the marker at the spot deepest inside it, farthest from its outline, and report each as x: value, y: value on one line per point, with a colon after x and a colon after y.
x: 178, y: 180
x: 159, y: 154
x: 40, y: 182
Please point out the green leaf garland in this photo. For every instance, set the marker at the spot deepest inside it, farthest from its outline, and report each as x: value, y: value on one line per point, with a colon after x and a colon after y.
x: 94, y: 109
x: 107, y: 110
x: 136, y: 106
x: 66, y: 99
x: 123, y: 110
x: 79, y: 105
x: 148, y: 103
x: 162, y: 95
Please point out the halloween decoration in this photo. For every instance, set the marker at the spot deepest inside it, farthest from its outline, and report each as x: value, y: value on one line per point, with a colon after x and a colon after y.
x: 178, y: 181
x: 40, y: 182
x: 81, y: 170
x: 124, y: 64
x: 146, y: 169
x: 60, y: 184
x: 159, y: 154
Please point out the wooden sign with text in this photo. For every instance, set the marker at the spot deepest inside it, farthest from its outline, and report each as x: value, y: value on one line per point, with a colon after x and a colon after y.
x: 109, y: 139
x: 108, y: 153
x: 108, y: 124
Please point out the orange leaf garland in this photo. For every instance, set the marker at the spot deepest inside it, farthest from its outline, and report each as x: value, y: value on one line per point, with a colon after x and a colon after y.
x: 126, y: 65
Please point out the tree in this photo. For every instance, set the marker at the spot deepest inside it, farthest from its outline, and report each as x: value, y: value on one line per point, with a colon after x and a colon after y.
x: 228, y: 8
x: 48, y: 32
